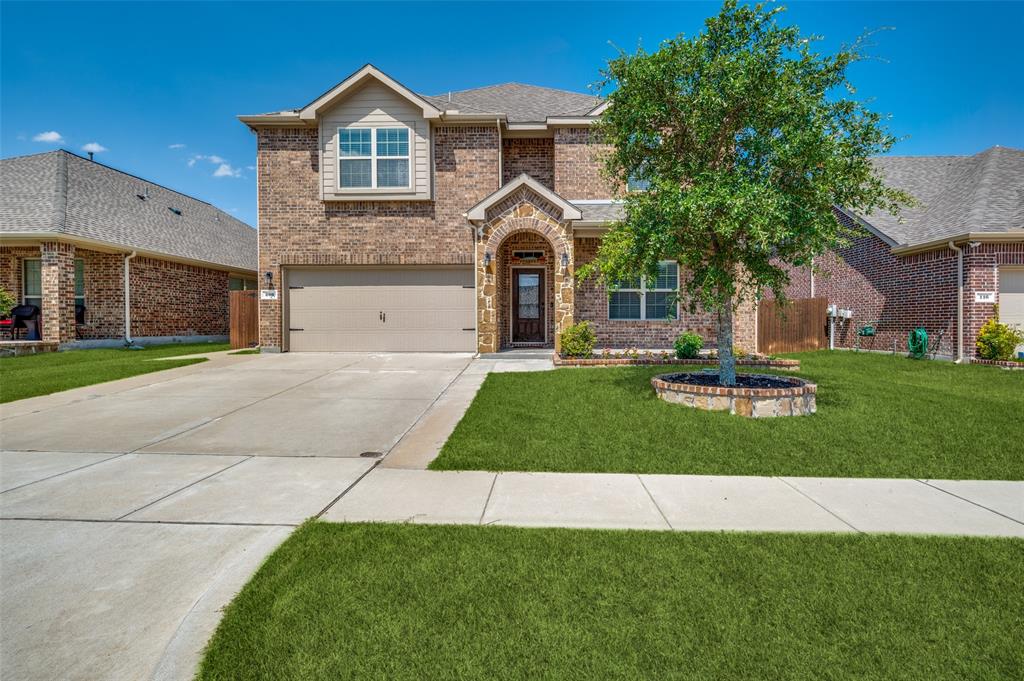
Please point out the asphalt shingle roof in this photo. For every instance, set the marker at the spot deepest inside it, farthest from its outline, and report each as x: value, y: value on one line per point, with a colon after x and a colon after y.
x: 603, y: 211
x: 957, y: 194
x: 520, y: 103
x: 63, y: 193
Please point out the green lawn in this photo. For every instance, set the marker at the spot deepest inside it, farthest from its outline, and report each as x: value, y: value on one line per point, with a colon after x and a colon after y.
x: 33, y: 375
x: 339, y: 601
x: 878, y: 416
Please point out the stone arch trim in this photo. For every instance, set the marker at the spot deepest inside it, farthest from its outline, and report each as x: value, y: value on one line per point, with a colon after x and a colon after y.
x: 523, y: 217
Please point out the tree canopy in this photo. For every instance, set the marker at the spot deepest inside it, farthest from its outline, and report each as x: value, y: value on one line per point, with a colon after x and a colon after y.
x: 746, y: 138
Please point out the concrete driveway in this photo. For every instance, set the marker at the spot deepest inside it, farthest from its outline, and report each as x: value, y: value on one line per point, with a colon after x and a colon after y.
x: 131, y: 513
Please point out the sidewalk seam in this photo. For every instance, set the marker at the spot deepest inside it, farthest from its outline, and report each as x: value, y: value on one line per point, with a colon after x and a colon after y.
x: 487, y: 502
x: 182, y: 489
x: 57, y: 475
x: 819, y: 505
x: 653, y: 501
x: 969, y: 501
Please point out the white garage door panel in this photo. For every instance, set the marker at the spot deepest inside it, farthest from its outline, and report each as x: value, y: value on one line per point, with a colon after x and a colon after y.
x: 1011, y: 296
x: 341, y: 309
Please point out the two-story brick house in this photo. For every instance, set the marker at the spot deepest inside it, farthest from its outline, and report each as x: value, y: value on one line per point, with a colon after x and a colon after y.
x: 390, y: 220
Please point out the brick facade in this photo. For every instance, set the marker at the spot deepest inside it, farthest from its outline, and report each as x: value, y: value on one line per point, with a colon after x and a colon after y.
x: 578, y: 166
x: 297, y: 228
x: 592, y: 306
x: 532, y: 156
x: 900, y: 293
x: 168, y: 298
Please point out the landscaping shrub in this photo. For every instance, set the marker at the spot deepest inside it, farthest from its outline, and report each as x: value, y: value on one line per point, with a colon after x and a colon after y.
x: 578, y: 340
x: 688, y: 345
x: 7, y: 302
x: 997, y: 340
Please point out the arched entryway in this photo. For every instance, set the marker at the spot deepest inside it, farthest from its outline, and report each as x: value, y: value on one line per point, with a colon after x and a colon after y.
x: 526, y: 291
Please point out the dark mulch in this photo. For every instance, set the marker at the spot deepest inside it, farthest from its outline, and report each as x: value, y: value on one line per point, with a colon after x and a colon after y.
x: 742, y: 380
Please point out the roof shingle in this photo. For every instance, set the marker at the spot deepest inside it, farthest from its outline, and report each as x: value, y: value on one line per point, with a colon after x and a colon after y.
x: 66, y: 194
x: 520, y: 103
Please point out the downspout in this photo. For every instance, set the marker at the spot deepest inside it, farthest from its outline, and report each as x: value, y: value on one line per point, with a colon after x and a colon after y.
x: 811, y: 269
x: 959, y: 302
x: 128, y: 300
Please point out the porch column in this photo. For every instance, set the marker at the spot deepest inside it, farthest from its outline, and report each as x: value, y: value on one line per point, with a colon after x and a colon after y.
x: 58, y: 283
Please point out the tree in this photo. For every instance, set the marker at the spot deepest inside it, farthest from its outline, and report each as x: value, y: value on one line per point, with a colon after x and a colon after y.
x: 746, y: 142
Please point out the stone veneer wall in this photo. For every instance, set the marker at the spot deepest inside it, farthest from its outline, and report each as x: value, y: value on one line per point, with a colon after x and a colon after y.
x: 523, y: 211
x: 298, y: 228
x: 592, y: 306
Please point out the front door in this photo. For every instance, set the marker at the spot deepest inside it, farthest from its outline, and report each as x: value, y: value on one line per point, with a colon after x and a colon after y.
x: 528, y: 307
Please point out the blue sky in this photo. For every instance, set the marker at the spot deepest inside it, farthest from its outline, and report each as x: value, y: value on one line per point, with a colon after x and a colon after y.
x: 140, y: 79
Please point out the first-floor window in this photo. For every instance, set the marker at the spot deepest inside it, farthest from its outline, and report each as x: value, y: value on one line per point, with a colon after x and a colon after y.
x: 32, y: 282
x: 646, y: 298
x: 372, y: 158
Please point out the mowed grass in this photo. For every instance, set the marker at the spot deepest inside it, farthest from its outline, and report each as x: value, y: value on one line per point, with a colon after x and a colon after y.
x: 33, y: 375
x: 351, y: 601
x: 878, y: 416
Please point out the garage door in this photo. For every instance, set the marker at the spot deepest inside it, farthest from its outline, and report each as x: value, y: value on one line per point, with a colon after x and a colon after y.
x: 1011, y: 297
x: 397, y: 309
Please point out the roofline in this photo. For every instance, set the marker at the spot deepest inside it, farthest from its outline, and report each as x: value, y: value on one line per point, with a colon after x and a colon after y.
x: 889, y: 241
x: 309, y: 112
x: 135, y: 177
x: 479, y: 211
x: 63, y: 237
x: 1012, y: 235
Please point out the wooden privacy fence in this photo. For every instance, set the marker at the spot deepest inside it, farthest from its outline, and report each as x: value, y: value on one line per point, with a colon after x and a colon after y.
x: 800, y: 325
x: 244, y: 315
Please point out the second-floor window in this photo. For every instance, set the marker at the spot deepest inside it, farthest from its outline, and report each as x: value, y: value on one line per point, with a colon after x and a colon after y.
x: 372, y: 158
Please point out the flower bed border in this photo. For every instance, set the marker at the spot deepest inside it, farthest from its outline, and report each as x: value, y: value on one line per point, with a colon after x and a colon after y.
x: 779, y: 364
x: 798, y: 400
x: 1004, y: 363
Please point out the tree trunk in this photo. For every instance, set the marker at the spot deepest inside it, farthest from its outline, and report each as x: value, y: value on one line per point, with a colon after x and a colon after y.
x: 726, y: 359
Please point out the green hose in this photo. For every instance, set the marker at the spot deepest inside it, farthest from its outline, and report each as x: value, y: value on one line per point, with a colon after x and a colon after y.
x: 917, y: 343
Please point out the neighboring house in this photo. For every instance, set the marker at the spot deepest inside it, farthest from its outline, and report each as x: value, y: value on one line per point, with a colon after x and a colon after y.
x: 391, y: 220
x: 903, y: 274
x: 137, y: 260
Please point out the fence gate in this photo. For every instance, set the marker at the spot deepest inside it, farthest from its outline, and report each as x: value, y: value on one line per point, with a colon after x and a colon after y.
x: 799, y: 325
x: 244, y: 315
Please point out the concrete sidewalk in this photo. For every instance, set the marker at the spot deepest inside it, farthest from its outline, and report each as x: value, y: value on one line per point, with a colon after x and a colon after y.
x: 686, y: 502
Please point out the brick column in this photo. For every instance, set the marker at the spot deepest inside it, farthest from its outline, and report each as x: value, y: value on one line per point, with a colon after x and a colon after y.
x: 58, y: 279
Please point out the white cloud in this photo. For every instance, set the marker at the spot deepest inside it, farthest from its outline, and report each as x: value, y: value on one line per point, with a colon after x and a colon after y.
x: 176, y: 146
x: 51, y: 136
x: 225, y: 170
x: 250, y: 167
x: 93, y: 147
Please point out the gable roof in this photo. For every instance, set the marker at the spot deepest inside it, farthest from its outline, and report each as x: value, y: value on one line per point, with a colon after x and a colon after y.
x: 519, y: 103
x: 479, y: 211
x: 64, y: 194
x: 983, y: 193
x: 357, y: 79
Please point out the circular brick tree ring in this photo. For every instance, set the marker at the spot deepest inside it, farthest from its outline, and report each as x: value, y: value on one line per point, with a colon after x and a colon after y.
x: 786, y: 396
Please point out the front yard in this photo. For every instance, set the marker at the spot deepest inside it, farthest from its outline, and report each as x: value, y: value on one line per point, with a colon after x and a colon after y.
x: 341, y: 601
x: 33, y: 375
x: 878, y: 416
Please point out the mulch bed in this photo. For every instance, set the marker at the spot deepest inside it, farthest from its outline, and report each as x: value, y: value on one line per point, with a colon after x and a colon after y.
x: 656, y: 360
x: 742, y: 380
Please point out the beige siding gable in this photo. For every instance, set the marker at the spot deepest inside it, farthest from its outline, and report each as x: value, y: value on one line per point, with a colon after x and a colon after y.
x: 375, y: 105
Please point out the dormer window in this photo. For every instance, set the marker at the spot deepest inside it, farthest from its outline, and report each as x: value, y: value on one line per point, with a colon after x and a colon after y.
x: 371, y: 158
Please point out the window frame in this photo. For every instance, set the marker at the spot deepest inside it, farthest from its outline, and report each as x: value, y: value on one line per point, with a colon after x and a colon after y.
x: 79, y: 266
x: 643, y: 291
x: 374, y: 157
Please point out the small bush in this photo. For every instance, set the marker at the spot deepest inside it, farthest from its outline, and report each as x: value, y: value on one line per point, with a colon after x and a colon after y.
x: 688, y: 345
x: 997, y: 340
x: 7, y: 302
x: 578, y: 340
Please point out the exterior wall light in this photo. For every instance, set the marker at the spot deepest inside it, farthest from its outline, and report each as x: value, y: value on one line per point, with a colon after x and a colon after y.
x: 487, y: 259
x: 268, y: 279
x: 565, y: 259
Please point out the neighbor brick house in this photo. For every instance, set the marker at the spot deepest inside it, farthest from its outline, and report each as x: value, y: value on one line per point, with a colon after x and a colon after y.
x: 391, y: 220
x: 78, y: 239
x: 900, y: 274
